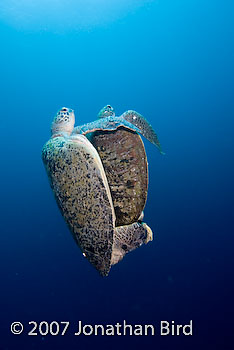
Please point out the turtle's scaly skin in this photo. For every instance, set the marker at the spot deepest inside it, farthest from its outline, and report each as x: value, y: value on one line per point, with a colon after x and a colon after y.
x: 124, y: 159
x: 108, y: 123
x: 128, y: 238
x: 79, y: 184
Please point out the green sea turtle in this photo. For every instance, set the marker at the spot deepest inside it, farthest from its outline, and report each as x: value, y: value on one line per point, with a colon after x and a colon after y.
x: 124, y: 159
x: 81, y: 189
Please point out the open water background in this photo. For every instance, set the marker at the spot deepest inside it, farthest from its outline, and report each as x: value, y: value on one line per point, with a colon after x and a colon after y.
x: 172, y: 61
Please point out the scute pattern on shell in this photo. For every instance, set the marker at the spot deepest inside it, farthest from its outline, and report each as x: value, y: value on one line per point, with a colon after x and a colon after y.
x: 79, y: 190
x: 124, y: 159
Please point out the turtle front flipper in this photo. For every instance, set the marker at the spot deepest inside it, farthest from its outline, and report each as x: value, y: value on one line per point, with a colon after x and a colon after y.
x: 109, y: 123
x: 129, y: 237
x: 141, y: 123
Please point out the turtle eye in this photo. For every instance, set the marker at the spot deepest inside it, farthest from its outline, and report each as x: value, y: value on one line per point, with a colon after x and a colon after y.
x: 108, y: 106
x: 64, y: 109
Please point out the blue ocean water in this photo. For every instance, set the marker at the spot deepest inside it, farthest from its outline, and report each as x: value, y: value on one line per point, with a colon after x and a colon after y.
x: 172, y: 61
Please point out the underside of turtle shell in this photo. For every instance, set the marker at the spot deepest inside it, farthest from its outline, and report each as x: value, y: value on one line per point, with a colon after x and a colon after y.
x: 124, y: 159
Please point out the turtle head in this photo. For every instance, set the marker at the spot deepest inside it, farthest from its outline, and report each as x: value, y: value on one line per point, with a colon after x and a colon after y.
x: 63, y: 122
x: 106, y: 111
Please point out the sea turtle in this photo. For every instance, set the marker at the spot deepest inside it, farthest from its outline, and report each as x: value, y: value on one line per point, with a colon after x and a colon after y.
x: 124, y: 159
x: 80, y: 186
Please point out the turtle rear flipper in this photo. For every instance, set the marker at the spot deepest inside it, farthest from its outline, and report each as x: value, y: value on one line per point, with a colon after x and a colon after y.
x: 127, y: 238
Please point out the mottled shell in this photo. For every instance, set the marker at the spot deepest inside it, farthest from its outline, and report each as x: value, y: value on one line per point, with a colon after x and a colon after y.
x: 80, y: 187
x: 124, y: 159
